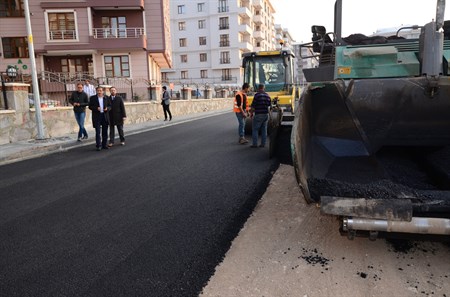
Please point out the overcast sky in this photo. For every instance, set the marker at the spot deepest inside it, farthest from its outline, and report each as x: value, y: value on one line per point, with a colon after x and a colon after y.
x: 360, y: 16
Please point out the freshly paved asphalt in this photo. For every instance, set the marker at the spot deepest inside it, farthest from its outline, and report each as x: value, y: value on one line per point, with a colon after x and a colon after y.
x: 152, y: 218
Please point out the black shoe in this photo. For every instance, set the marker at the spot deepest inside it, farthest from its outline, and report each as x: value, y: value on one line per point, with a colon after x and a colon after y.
x: 253, y: 146
x: 165, y: 120
x: 262, y: 145
x: 85, y: 137
x: 99, y: 149
x: 105, y: 148
x: 170, y: 119
x: 79, y: 139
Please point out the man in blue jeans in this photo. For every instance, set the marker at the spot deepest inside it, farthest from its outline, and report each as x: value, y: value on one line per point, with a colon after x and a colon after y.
x: 79, y: 99
x: 240, y: 109
x: 260, y: 113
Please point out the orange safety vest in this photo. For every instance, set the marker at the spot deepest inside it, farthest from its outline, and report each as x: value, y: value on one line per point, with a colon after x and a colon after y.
x: 244, y: 97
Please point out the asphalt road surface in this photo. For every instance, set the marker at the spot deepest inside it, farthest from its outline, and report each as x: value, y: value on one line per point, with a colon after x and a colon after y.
x: 152, y: 218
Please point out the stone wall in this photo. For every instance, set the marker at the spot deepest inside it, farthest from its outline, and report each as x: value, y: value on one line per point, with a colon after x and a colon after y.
x: 20, y: 124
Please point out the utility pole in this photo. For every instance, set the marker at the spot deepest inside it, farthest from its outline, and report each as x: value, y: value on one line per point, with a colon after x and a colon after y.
x: 37, y: 98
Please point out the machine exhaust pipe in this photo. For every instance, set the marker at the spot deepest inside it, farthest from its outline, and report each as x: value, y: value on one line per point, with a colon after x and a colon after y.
x: 419, y: 225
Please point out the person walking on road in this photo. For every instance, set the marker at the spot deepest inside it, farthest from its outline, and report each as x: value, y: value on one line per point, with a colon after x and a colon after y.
x: 117, y: 116
x: 165, y: 102
x: 89, y: 89
x: 100, y: 106
x: 240, y: 109
x: 79, y: 99
x: 260, y: 113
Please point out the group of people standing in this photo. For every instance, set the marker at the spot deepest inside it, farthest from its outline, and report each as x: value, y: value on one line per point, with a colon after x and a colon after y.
x: 258, y: 111
x: 107, y: 112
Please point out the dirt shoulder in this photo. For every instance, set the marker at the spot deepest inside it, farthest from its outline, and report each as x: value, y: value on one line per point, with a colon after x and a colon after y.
x: 287, y: 248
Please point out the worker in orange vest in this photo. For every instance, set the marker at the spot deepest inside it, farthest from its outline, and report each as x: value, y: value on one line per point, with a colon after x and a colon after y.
x: 240, y: 109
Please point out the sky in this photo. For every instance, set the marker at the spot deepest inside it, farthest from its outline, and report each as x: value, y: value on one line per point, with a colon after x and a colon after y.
x: 359, y: 16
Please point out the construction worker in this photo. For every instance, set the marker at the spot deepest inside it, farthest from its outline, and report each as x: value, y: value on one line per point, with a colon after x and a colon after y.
x: 241, y: 109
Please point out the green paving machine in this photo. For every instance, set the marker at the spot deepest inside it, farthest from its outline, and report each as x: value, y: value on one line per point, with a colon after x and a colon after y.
x: 371, y: 135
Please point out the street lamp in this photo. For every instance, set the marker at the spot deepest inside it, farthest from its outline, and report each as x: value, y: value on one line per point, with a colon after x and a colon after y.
x: 11, y: 72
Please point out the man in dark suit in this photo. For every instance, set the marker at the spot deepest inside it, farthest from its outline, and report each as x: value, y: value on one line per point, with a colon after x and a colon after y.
x: 117, y: 116
x: 100, y: 106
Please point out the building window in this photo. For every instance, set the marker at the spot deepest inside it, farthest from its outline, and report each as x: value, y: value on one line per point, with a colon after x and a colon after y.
x: 226, y: 74
x: 181, y: 26
x: 117, y: 66
x: 224, y: 40
x: 203, y: 73
x: 184, y: 74
x: 223, y: 5
x: 15, y: 47
x: 11, y: 8
x: 61, y: 26
x: 164, y: 77
x: 71, y: 65
x: 202, y: 40
x: 225, y: 58
x: 258, y: 44
x: 223, y: 23
x: 183, y: 58
x: 200, y: 7
x: 183, y: 42
x: 203, y: 57
x: 114, y: 27
x: 202, y: 24
x: 181, y: 9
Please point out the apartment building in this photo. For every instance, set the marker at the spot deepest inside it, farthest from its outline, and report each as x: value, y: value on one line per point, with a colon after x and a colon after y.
x: 209, y: 37
x: 109, y: 41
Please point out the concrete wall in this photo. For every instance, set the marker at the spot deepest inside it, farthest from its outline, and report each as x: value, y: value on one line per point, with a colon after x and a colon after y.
x: 19, y: 122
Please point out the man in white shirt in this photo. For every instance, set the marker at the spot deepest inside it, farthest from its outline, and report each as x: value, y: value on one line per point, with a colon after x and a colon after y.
x: 88, y: 88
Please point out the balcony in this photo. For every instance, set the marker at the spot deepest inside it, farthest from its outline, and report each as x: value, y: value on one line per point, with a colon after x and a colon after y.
x: 225, y: 61
x: 244, y: 12
x: 224, y: 26
x: 116, y: 4
x: 108, y: 33
x: 258, y: 35
x: 258, y: 19
x: 62, y: 35
x: 245, y: 46
x: 126, y: 38
x: 245, y: 29
x: 224, y: 43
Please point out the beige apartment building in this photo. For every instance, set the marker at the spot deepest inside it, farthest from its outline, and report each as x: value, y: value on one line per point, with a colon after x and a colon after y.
x: 112, y: 42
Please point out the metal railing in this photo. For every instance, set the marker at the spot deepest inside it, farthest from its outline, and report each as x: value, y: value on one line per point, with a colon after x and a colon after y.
x: 105, y: 33
x: 62, y: 34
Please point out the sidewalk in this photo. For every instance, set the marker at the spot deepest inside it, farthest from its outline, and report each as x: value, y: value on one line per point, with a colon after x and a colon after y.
x: 27, y: 149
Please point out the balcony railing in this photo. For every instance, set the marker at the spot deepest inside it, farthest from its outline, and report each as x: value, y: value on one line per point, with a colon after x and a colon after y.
x: 62, y: 34
x: 224, y: 43
x: 106, y: 33
x: 225, y: 61
x: 224, y: 26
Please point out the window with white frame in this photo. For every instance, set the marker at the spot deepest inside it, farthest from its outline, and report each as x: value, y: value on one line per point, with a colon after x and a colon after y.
x: 202, y: 40
x: 203, y: 73
x: 117, y: 66
x: 184, y: 74
x: 183, y: 58
x: 183, y: 42
x: 181, y: 26
x: 61, y: 25
x: 203, y: 57
x: 202, y: 24
x: 181, y: 9
x: 200, y: 7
